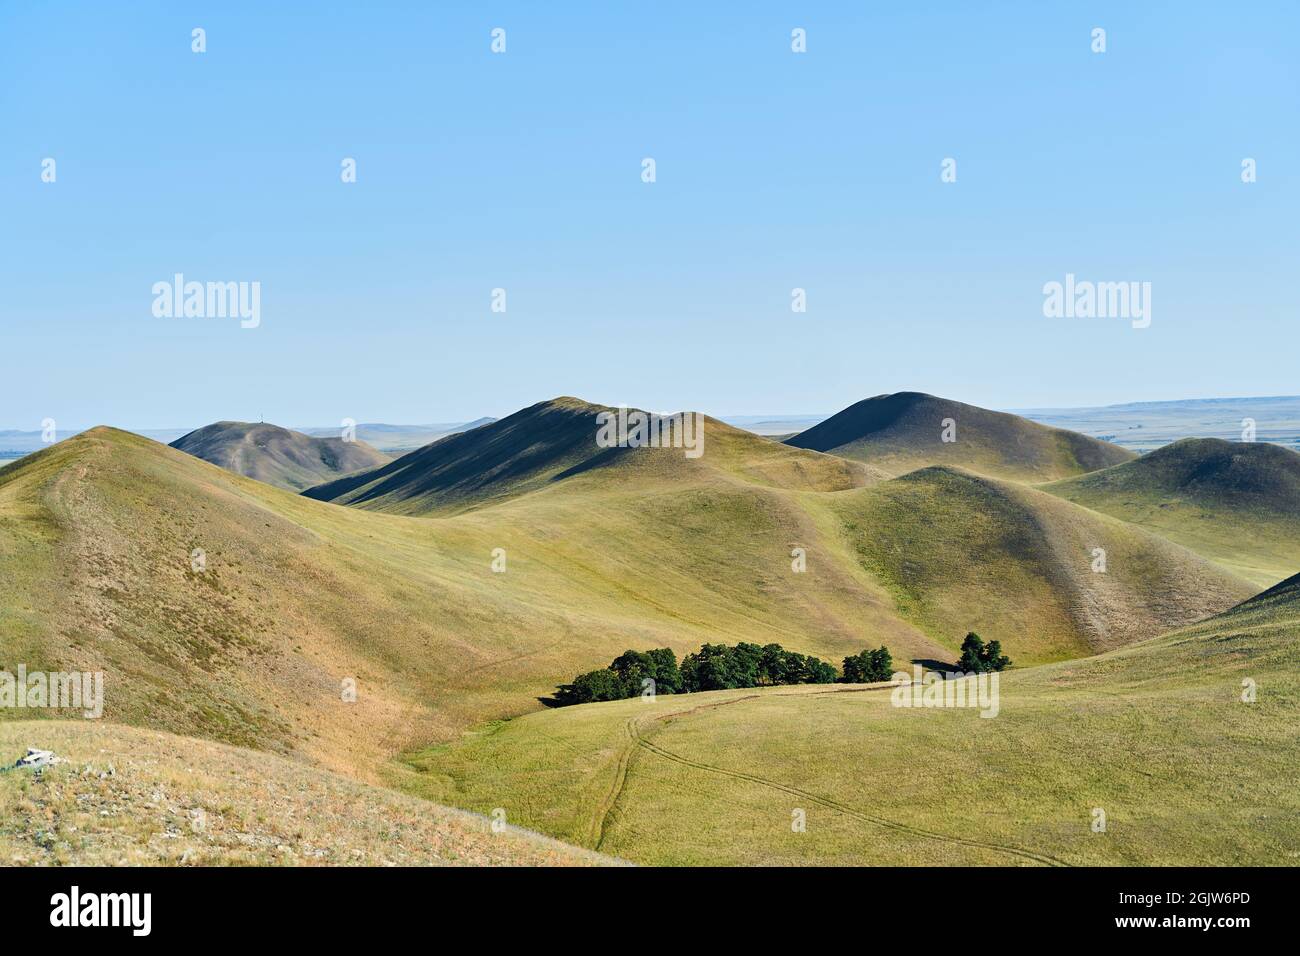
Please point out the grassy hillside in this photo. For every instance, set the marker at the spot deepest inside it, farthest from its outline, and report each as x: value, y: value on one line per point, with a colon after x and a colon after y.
x: 521, y: 452
x: 1233, y: 502
x: 97, y: 533
x: 278, y: 456
x: 937, y: 542
x: 1156, y: 735
x: 904, y: 431
x: 641, y: 548
x: 962, y: 552
x: 129, y: 797
x: 96, y: 573
x: 555, y: 441
x: 649, y: 549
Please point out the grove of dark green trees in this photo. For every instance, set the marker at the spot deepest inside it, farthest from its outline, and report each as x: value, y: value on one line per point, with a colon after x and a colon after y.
x: 717, y: 667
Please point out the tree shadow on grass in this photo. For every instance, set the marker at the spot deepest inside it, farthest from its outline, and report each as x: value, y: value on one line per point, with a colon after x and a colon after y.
x: 934, y: 665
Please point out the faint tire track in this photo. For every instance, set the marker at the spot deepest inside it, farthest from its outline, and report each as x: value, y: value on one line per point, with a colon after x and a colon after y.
x: 600, y: 821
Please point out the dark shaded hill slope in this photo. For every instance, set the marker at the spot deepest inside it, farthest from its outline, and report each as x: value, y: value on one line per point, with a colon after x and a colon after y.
x: 904, y: 431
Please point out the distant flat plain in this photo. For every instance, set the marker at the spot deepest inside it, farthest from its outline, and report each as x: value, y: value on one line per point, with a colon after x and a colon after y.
x: 1144, y: 426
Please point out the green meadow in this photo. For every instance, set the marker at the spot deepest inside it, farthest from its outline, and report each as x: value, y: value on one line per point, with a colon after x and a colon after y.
x: 1155, y: 736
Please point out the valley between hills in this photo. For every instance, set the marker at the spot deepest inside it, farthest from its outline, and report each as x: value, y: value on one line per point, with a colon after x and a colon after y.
x: 326, y: 562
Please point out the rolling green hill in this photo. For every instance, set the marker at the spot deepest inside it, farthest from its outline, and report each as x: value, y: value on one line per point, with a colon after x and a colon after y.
x: 1233, y: 502
x: 96, y: 541
x: 278, y: 456
x: 1157, y: 736
x: 937, y: 541
x: 555, y: 441
x: 521, y: 452
x: 904, y: 431
x: 645, y: 549
x: 963, y: 552
x: 1278, y: 601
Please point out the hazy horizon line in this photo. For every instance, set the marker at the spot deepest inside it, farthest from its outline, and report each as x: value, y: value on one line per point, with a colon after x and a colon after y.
x: 768, y: 416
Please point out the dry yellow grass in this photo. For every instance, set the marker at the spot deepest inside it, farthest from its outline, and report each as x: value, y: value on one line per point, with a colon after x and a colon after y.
x: 130, y: 797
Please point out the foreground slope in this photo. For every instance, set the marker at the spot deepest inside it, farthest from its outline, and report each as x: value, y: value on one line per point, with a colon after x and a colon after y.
x: 129, y: 797
x: 1159, y: 737
x: 904, y: 431
x: 1237, y: 503
x: 278, y: 456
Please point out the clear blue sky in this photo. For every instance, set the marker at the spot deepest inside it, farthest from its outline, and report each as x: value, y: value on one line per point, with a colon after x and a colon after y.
x: 522, y: 171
